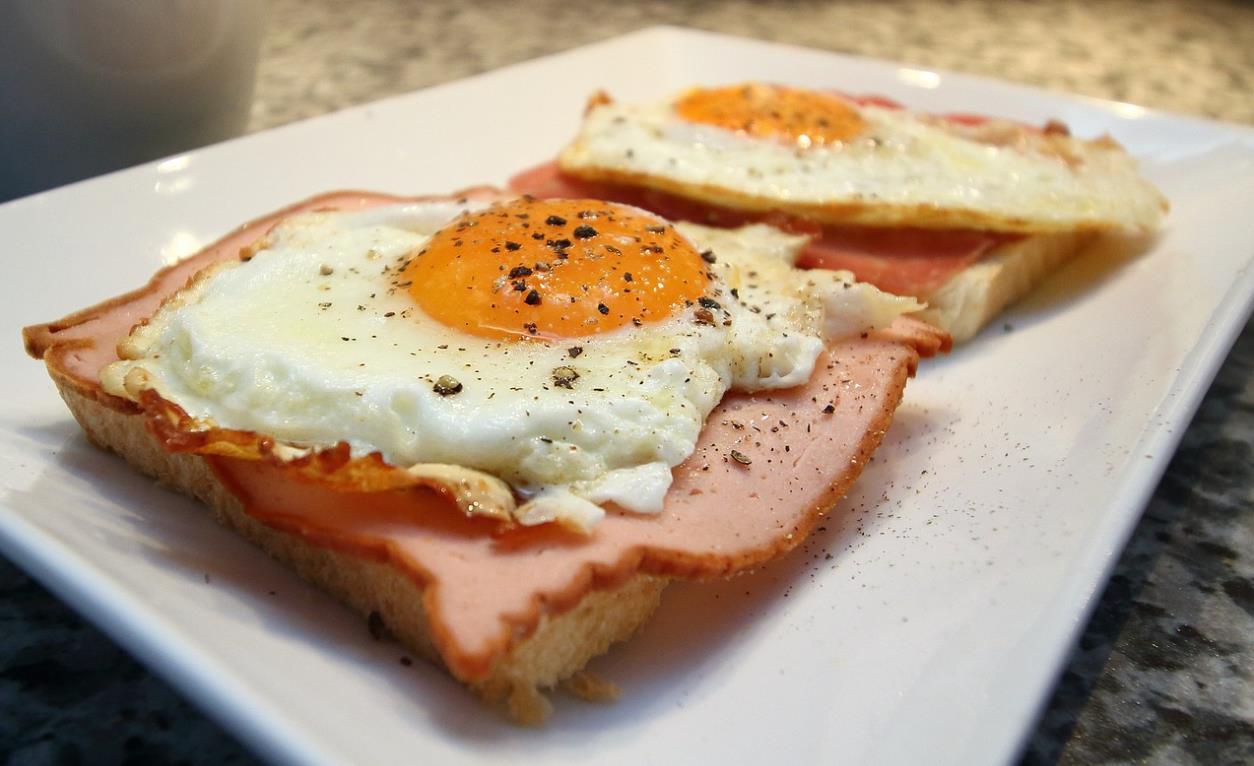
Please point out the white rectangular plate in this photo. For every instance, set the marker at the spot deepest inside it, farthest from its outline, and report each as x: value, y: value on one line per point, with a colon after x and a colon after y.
x: 961, y: 566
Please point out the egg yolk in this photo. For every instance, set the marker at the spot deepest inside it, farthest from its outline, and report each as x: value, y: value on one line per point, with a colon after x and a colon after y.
x: 807, y: 118
x: 554, y: 269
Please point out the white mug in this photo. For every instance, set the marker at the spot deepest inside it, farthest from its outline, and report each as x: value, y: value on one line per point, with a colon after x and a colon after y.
x: 88, y: 86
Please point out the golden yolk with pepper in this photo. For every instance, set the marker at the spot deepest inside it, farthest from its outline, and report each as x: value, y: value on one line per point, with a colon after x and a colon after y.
x: 554, y: 269
x: 807, y: 118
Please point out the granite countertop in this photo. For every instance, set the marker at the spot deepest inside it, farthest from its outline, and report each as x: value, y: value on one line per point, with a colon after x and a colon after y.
x: 1164, y: 671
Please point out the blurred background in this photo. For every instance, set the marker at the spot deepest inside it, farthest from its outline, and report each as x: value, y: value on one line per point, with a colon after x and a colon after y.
x: 90, y: 86
x: 1149, y: 681
x: 95, y: 85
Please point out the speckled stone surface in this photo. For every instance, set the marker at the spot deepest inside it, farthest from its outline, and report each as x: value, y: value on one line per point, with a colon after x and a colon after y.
x: 1164, y: 671
x: 1193, y: 57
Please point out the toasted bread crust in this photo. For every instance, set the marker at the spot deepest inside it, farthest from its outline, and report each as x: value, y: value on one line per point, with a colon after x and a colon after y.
x: 978, y: 293
x: 555, y: 651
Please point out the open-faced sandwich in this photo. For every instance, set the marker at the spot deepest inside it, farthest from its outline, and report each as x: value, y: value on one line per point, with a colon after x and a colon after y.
x: 964, y: 213
x: 496, y: 425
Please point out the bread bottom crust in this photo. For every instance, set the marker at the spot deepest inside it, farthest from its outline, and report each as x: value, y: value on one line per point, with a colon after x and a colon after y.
x: 556, y: 651
x: 978, y: 293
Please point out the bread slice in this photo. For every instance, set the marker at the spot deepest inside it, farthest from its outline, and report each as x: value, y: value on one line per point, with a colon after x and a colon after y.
x: 606, y: 587
x: 981, y: 291
x: 557, y: 651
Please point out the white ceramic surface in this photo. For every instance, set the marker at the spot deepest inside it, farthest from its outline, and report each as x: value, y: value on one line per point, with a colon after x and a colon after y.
x: 960, y: 568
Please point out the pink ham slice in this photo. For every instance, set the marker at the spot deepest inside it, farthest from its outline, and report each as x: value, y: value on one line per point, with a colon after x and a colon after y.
x: 901, y: 261
x: 797, y: 451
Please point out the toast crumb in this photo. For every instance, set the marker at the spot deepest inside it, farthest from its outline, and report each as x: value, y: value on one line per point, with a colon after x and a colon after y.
x: 590, y: 687
x: 527, y: 706
x: 522, y: 702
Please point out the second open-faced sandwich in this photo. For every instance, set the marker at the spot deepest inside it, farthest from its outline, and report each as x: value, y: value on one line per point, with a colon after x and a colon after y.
x: 964, y: 213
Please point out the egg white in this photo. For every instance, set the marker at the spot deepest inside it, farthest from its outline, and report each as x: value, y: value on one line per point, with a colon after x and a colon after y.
x: 902, y: 169
x: 305, y: 343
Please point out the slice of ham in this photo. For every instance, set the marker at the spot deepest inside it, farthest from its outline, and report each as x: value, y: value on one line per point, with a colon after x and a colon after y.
x: 901, y: 261
x: 487, y: 586
x: 905, y: 261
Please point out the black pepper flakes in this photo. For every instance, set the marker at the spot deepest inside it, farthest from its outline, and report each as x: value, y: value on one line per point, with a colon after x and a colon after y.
x: 555, y: 220
x: 574, y: 351
x: 532, y: 299
x: 447, y: 385
x: 519, y: 271
x: 708, y: 256
x: 709, y: 303
x: 829, y: 409
x: 585, y: 232
x: 601, y: 307
x: 740, y: 457
x: 512, y: 246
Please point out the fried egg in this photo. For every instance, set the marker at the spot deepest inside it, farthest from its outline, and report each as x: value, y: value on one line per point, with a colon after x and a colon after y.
x: 832, y: 159
x: 569, y: 348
